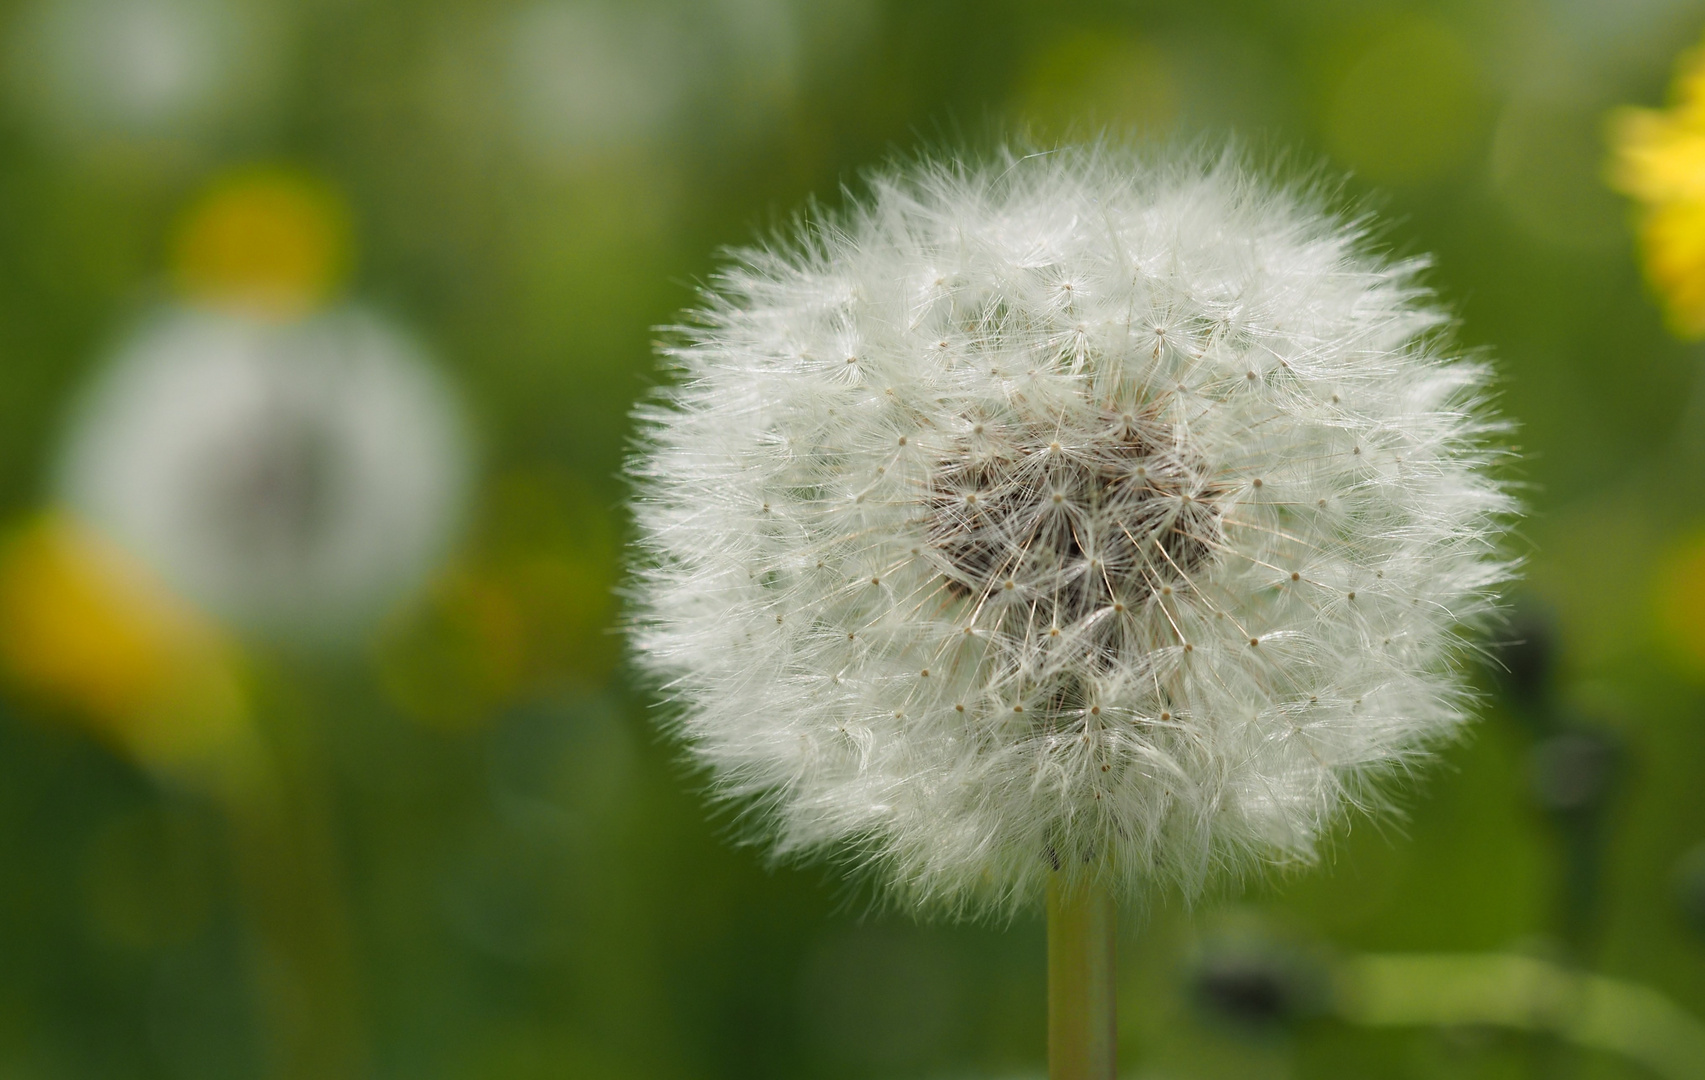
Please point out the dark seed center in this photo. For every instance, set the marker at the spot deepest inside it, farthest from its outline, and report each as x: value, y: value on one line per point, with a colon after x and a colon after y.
x: 1069, y: 527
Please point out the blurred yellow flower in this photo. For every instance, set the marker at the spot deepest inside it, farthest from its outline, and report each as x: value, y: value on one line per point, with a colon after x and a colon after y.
x: 1679, y: 604
x: 1659, y: 160
x: 456, y: 658
x: 85, y: 626
x: 526, y: 611
x: 267, y: 241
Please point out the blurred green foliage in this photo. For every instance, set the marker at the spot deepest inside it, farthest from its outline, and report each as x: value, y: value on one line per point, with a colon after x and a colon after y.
x: 506, y: 873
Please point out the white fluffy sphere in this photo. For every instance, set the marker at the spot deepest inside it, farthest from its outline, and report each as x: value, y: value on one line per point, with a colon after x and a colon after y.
x: 151, y: 70
x: 296, y: 478
x: 1075, y: 513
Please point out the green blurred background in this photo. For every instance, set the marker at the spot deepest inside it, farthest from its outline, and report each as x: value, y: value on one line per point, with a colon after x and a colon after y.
x: 464, y: 851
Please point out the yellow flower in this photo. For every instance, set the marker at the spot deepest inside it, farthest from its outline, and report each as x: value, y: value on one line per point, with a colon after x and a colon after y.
x: 268, y: 242
x: 1659, y: 160
x: 1678, y: 601
x: 525, y: 611
x: 85, y: 626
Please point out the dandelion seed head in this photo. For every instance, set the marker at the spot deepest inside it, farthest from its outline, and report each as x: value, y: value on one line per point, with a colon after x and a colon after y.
x: 295, y: 478
x: 1118, y: 383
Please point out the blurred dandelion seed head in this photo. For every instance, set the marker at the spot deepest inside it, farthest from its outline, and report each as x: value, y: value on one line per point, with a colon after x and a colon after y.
x: 97, y: 71
x: 1074, y: 512
x: 295, y: 478
x: 590, y: 80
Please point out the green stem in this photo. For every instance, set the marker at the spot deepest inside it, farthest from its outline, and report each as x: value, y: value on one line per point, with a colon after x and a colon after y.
x: 1482, y: 990
x: 1082, y: 1038
x: 285, y: 857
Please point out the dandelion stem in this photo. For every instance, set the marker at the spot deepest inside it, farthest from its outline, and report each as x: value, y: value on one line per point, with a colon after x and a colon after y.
x: 306, y: 969
x: 1082, y: 1043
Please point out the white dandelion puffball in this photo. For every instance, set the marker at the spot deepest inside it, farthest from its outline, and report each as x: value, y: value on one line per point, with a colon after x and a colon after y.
x: 296, y: 478
x: 144, y: 69
x: 1073, y: 513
